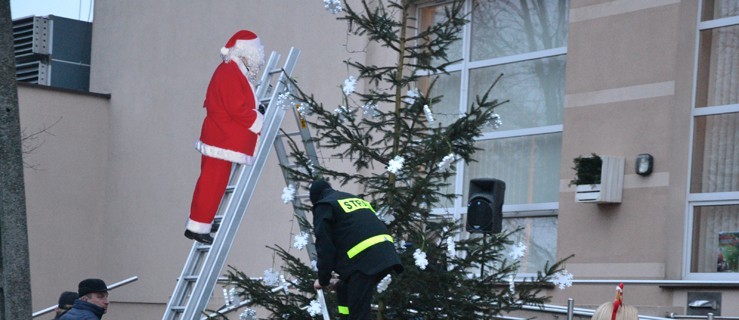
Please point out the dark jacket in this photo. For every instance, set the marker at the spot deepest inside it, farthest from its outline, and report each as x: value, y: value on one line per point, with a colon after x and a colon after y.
x: 341, y: 223
x: 83, y: 310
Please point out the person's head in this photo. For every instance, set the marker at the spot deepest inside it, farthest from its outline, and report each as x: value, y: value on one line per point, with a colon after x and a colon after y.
x: 616, y: 310
x: 66, y: 300
x: 94, y: 291
x: 317, y: 189
x: 624, y: 312
x: 246, y: 47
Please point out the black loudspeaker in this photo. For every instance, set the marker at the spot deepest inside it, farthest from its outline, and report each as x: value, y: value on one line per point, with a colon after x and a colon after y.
x: 485, y: 207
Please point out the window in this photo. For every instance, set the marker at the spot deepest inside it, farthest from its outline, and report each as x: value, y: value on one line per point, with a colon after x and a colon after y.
x: 713, y: 200
x: 526, y: 41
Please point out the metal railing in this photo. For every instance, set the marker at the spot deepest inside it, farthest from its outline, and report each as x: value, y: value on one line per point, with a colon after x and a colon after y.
x: 110, y: 287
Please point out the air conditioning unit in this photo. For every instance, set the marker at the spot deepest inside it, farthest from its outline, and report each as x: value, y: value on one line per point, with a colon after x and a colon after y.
x: 53, y: 51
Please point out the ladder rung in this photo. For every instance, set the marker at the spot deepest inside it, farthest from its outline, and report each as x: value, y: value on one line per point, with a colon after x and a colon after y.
x: 302, y: 196
x: 177, y: 308
x: 289, y: 134
x: 190, y: 278
x: 230, y: 189
x: 273, y: 71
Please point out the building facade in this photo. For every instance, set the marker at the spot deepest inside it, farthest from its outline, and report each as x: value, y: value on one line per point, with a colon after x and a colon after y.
x: 111, y: 171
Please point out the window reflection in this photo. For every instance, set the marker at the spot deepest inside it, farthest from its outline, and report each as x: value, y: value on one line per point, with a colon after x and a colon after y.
x: 505, y: 28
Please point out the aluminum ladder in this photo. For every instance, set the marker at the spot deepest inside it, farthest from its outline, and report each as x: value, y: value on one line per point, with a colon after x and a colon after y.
x: 299, y: 200
x: 205, y: 262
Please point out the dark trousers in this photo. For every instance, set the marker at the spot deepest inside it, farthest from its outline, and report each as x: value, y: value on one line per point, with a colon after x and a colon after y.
x: 355, y: 293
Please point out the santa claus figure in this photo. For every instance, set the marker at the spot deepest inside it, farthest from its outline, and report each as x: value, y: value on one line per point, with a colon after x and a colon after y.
x: 230, y: 129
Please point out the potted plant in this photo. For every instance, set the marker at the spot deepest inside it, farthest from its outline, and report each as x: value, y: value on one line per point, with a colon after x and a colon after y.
x: 598, y: 179
x: 587, y: 170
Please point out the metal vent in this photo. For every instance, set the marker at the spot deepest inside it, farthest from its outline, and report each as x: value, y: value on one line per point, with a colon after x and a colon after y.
x: 31, y: 37
x: 32, y: 72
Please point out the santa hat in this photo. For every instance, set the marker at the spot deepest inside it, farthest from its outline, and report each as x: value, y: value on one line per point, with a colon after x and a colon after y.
x: 243, y: 43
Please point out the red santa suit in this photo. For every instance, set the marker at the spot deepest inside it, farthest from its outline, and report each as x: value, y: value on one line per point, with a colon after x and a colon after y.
x: 231, y: 127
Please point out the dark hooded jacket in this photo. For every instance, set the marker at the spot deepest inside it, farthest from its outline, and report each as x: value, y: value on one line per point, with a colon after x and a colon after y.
x: 83, y: 310
x: 349, y: 236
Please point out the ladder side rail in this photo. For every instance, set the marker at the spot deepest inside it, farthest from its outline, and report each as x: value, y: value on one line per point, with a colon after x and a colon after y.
x: 198, y: 252
x: 310, y: 146
x: 283, y: 159
x: 245, y: 188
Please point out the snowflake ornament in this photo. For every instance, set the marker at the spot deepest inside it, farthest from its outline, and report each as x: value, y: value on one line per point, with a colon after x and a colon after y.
x: 271, y: 278
x: 288, y: 194
x: 370, y: 110
x: 451, y: 249
x: 562, y: 279
x: 300, y: 241
x: 284, y: 99
x: 511, y: 285
x: 349, y: 85
x: 248, y: 314
x: 429, y: 115
x: 421, y: 260
x: 411, y: 96
x: 314, y: 308
x: 305, y: 109
x: 447, y: 161
x: 226, y: 298
x: 333, y: 6
x: 234, y: 296
x: 343, y: 113
x: 385, y: 215
x: 395, y: 165
x: 495, y: 121
x: 517, y: 251
x: 384, y: 283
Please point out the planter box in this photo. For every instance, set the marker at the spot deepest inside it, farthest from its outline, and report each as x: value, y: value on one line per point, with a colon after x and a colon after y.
x: 611, y: 184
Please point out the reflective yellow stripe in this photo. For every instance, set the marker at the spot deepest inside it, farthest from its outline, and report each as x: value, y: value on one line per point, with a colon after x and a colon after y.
x: 343, y: 310
x: 368, y: 243
x: 354, y: 204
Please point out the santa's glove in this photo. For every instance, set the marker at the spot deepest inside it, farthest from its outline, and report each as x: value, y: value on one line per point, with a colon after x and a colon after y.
x: 256, y: 127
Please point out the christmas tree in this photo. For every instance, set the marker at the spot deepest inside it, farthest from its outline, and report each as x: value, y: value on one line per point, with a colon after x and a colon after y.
x: 404, y: 160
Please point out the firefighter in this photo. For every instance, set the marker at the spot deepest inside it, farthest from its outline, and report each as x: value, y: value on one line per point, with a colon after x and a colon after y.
x: 354, y: 243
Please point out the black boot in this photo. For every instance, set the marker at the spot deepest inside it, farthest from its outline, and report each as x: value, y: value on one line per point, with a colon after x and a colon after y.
x: 203, y: 238
x: 214, y: 227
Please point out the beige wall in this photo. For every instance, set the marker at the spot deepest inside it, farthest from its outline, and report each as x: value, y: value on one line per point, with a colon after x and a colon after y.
x: 65, y: 182
x: 120, y: 171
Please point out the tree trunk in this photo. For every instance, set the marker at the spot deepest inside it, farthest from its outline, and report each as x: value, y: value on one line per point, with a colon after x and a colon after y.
x: 15, y: 293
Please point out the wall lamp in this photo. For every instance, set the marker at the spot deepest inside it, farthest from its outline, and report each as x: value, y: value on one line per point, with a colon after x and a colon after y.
x: 644, y: 164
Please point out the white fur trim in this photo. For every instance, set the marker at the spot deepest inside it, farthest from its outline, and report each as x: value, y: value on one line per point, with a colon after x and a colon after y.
x: 256, y: 127
x: 198, y: 227
x: 224, y: 51
x: 223, y: 154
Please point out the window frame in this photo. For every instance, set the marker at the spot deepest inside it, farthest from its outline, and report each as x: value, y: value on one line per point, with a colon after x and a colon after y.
x: 704, y: 199
x: 464, y: 67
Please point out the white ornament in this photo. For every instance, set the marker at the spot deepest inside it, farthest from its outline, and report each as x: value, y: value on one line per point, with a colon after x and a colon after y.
x: 429, y: 115
x: 447, y: 161
x: 342, y: 113
x: 420, y: 258
x: 395, y: 165
x: 288, y: 194
x: 234, y: 296
x: 248, y: 314
x: 517, y: 251
x: 300, y: 241
x: 314, y: 308
x: 370, y: 110
x: 511, y: 285
x: 349, y: 85
x: 495, y: 121
x: 305, y: 109
x: 271, y: 278
x: 226, y: 299
x: 411, y: 96
x: 384, y: 283
x: 562, y: 279
x: 333, y: 6
x: 314, y: 265
x: 451, y: 250
x: 284, y: 100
